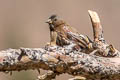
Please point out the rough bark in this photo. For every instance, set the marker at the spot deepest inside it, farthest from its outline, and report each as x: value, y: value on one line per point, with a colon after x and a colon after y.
x: 67, y: 59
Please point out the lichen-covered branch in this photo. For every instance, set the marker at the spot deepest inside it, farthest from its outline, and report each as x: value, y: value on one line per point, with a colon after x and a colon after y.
x: 70, y: 58
x: 60, y: 60
x: 99, y: 43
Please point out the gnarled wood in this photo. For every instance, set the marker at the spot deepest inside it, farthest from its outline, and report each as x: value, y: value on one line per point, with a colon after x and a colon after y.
x: 67, y: 59
x: 97, y: 27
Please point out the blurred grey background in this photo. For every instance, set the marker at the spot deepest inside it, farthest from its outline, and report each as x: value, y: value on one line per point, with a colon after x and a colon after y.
x: 22, y: 24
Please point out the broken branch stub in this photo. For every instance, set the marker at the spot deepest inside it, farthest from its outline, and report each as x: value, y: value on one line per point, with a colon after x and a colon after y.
x: 97, y: 27
x: 99, y: 43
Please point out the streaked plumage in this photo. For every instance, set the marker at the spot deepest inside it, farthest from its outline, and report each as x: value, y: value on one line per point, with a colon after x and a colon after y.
x: 64, y: 33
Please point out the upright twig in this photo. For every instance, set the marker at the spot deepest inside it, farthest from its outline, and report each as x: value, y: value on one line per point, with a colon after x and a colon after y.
x: 103, y: 49
x: 97, y: 27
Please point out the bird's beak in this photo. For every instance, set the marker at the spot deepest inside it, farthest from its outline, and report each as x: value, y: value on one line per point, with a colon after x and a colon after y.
x: 49, y: 21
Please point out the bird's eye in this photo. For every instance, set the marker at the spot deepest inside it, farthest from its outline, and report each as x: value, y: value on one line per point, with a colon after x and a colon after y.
x: 55, y: 19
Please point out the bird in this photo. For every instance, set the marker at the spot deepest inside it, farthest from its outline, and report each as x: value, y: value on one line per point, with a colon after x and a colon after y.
x: 61, y: 33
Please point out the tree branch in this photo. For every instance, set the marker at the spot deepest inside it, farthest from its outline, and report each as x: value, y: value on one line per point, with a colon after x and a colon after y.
x: 97, y: 28
x: 66, y: 59
x: 60, y: 60
x: 103, y: 49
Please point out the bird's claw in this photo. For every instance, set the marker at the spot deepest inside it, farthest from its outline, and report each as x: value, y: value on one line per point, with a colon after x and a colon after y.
x: 87, y: 42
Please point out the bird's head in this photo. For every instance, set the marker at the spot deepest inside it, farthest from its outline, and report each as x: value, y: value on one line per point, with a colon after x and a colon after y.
x: 55, y: 20
x: 51, y: 22
x: 52, y: 19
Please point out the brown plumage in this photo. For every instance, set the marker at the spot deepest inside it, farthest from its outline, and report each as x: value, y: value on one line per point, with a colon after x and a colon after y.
x: 61, y: 33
